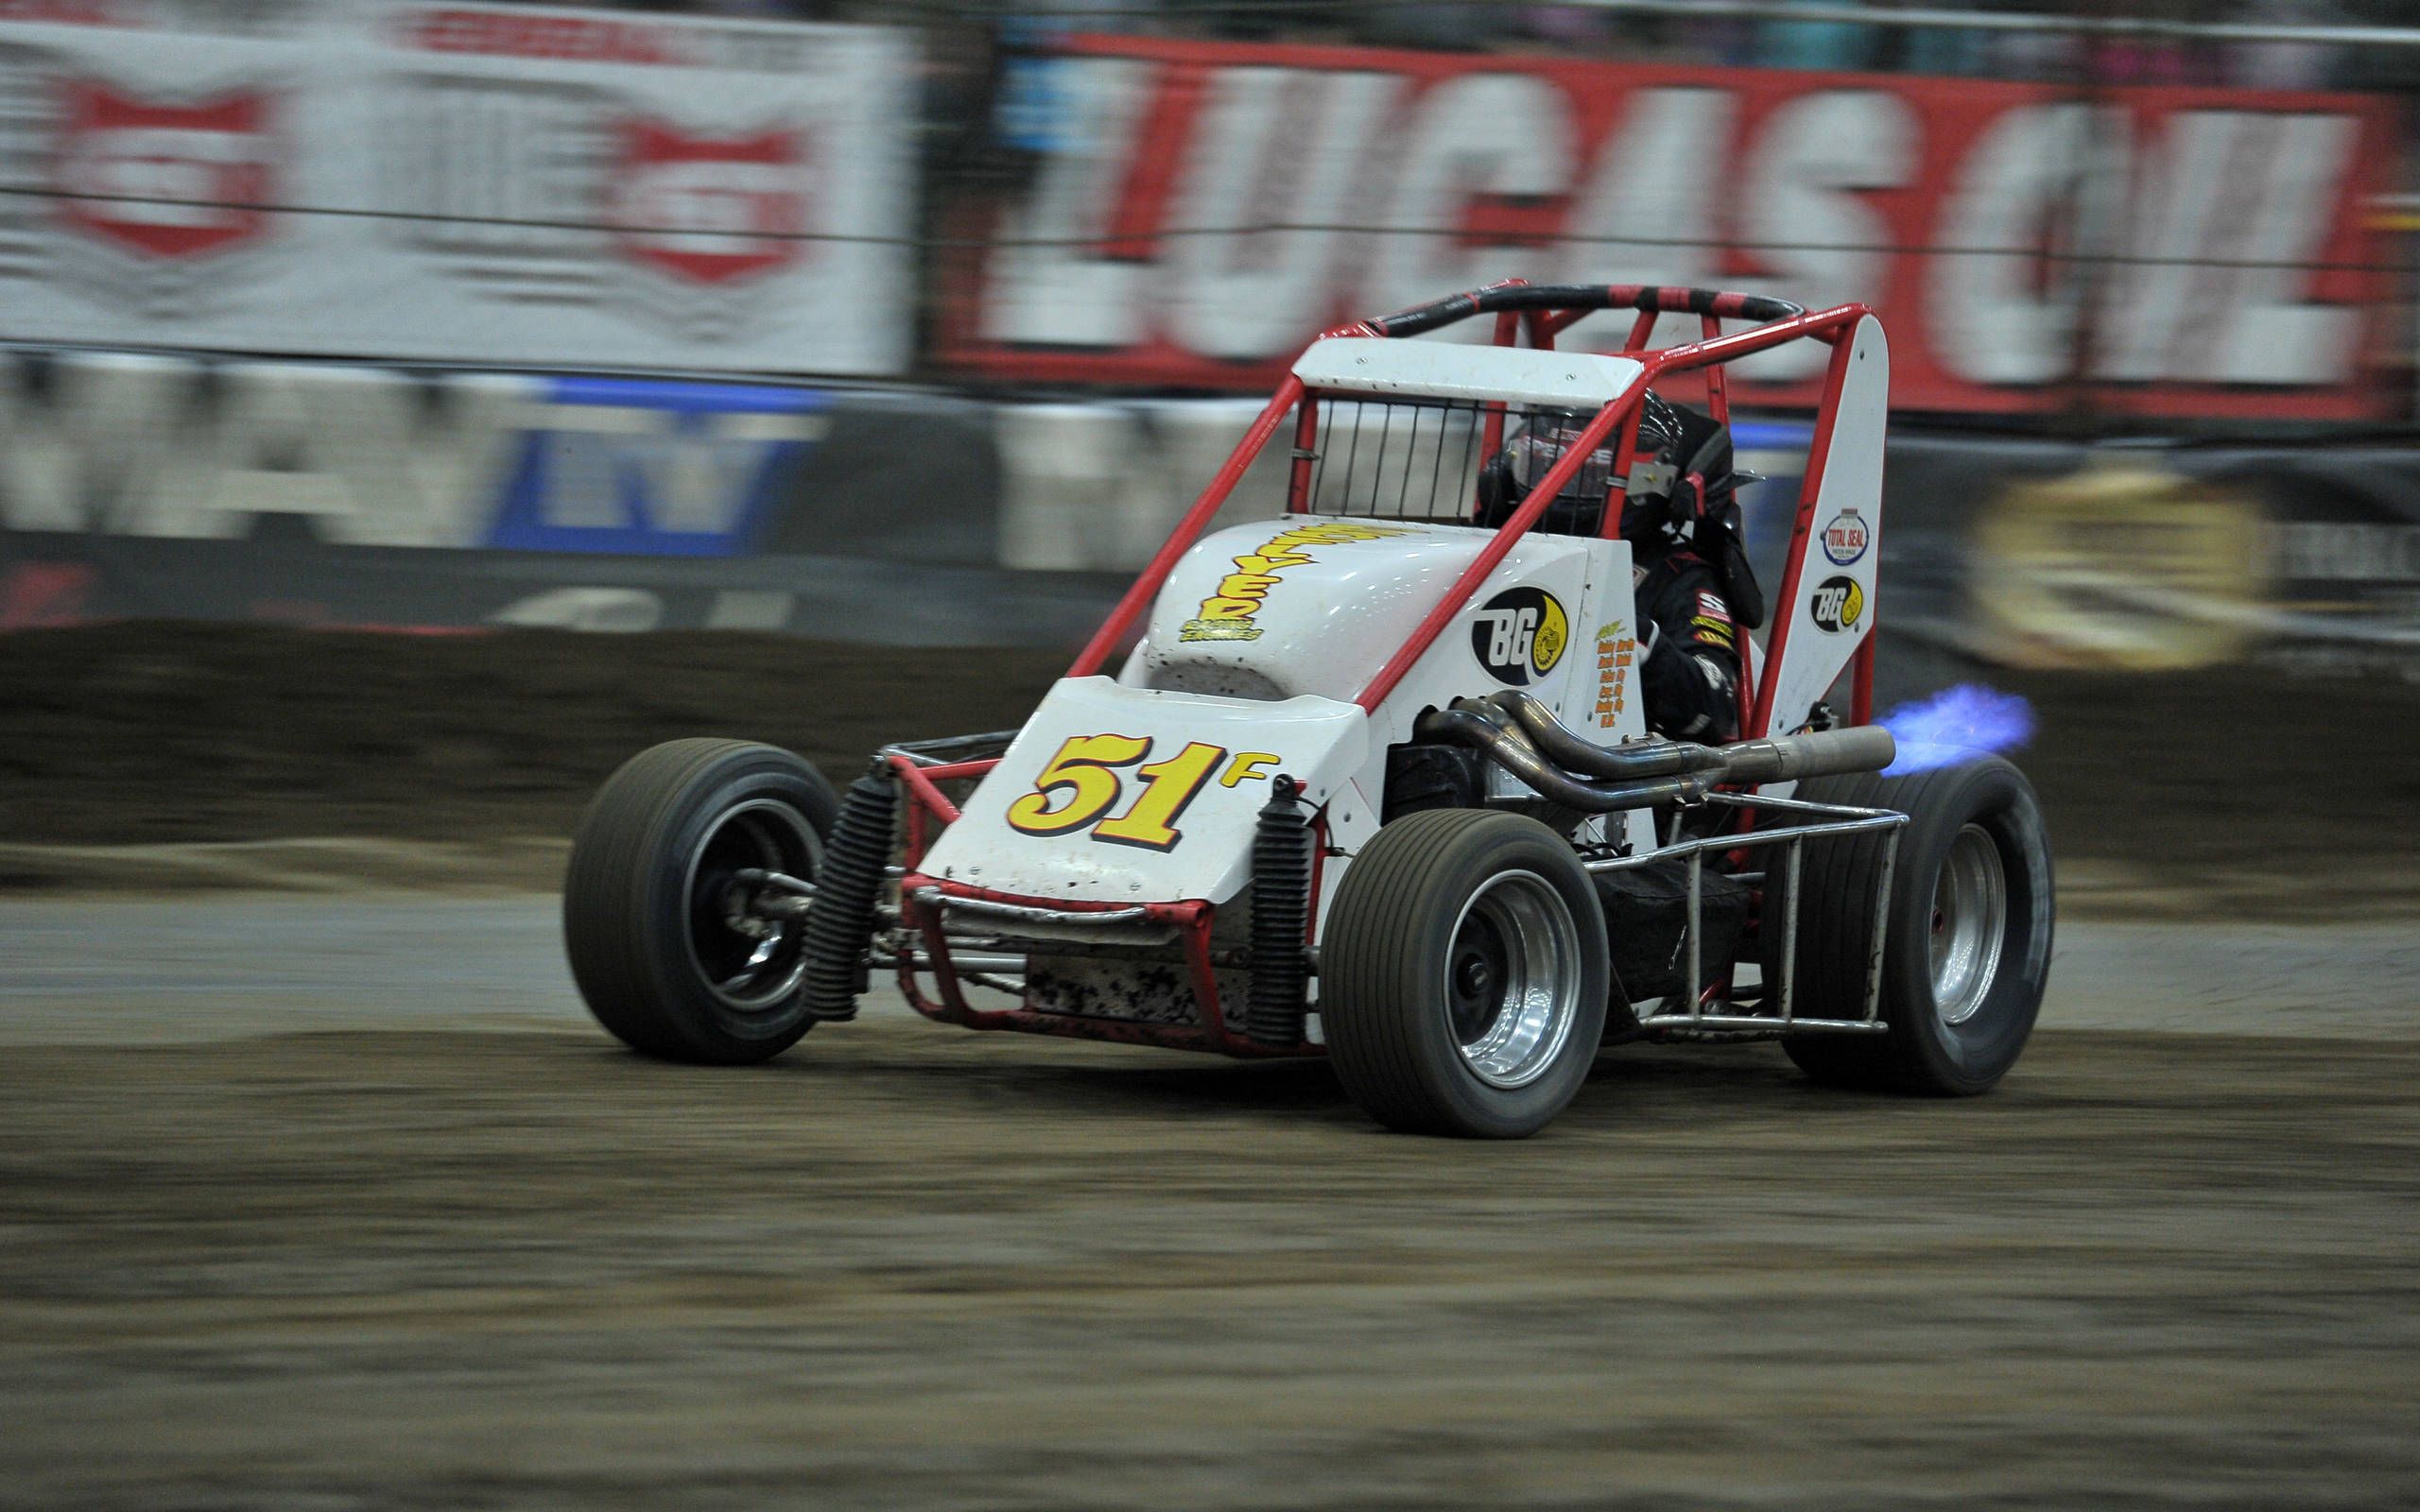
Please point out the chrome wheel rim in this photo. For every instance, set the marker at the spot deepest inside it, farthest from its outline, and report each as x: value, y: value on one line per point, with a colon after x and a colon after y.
x: 1511, y: 986
x: 1969, y: 924
x: 751, y: 963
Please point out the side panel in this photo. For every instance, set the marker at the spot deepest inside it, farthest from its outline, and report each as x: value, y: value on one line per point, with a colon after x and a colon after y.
x: 1604, y: 699
x: 1522, y: 629
x: 1576, y: 593
x: 1834, y: 607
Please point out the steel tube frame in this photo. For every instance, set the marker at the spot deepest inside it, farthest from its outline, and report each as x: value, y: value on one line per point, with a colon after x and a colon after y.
x: 1829, y: 820
x: 1029, y: 912
x: 950, y: 750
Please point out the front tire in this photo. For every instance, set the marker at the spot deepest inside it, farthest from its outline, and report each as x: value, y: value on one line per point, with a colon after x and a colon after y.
x: 665, y: 952
x: 1463, y: 975
x: 1966, y: 956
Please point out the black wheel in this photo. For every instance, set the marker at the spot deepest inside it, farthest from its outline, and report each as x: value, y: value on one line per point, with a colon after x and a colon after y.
x: 1462, y: 975
x: 663, y: 943
x: 1967, y: 952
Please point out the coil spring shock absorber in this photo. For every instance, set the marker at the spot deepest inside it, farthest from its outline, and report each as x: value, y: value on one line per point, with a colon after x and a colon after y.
x: 839, y: 922
x: 1280, y: 920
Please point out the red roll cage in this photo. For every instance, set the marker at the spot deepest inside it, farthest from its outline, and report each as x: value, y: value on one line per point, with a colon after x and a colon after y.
x: 1539, y: 313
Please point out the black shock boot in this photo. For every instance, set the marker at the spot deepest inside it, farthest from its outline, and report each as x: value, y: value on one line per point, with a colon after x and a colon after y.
x: 1280, y: 920
x: 848, y: 886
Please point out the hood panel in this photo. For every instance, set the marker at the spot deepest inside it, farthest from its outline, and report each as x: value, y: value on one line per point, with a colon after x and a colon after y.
x: 1313, y: 604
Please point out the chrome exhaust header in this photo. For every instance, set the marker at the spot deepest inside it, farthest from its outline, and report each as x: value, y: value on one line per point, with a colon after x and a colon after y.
x: 1520, y: 734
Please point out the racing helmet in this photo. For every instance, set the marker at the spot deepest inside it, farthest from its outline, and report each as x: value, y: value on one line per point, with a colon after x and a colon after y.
x: 1643, y: 481
x: 1678, y: 483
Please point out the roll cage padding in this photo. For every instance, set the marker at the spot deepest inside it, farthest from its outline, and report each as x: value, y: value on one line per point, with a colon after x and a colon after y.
x: 1663, y: 298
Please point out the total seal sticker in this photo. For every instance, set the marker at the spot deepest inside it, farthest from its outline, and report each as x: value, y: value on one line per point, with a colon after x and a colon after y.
x: 1845, y: 537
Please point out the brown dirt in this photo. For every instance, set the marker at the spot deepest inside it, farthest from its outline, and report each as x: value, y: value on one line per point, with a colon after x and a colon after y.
x: 2220, y: 790
x: 904, y: 1267
x: 139, y: 733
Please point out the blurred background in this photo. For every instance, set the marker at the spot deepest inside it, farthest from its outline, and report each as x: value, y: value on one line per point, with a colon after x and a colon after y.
x: 843, y: 332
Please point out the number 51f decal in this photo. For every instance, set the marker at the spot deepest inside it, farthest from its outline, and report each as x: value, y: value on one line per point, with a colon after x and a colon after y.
x: 1084, y: 779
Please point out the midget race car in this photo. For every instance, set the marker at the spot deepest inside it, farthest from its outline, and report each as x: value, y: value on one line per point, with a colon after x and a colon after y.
x: 1371, y: 780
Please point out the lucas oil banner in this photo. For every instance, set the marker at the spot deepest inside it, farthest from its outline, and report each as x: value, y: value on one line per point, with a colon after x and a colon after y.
x: 1197, y: 209
x: 464, y: 183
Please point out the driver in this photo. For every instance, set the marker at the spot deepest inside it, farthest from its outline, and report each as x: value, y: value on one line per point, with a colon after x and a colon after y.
x: 1695, y: 592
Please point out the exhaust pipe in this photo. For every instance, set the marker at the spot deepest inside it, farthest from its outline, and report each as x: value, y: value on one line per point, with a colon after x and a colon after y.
x: 1815, y: 754
x: 1575, y: 752
x: 1538, y: 749
x: 1466, y: 725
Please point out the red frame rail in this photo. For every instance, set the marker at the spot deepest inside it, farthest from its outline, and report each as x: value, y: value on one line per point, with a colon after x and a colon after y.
x: 928, y: 810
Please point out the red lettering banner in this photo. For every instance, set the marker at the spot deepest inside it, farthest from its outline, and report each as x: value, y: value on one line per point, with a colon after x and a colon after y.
x: 1199, y: 209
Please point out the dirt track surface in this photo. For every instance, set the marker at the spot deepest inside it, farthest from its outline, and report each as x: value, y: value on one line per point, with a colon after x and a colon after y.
x: 423, y: 1260
x: 305, y: 1208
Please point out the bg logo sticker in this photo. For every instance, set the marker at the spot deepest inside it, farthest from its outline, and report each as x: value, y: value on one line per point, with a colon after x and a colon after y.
x: 1846, y: 538
x: 1840, y: 603
x: 1519, y: 635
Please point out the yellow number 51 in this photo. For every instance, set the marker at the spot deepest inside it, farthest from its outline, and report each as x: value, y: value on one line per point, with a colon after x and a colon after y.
x: 1083, y: 774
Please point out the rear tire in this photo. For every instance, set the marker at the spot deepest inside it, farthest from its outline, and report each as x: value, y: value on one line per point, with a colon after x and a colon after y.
x: 1966, y: 956
x: 664, y: 959
x: 1463, y: 975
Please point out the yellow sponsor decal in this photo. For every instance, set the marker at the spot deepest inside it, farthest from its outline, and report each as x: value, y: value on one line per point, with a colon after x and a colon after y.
x: 1227, y: 614
x: 1616, y: 650
x: 1545, y: 648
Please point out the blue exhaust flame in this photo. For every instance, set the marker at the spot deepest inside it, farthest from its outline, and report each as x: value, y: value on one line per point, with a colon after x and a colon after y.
x: 1957, y: 724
